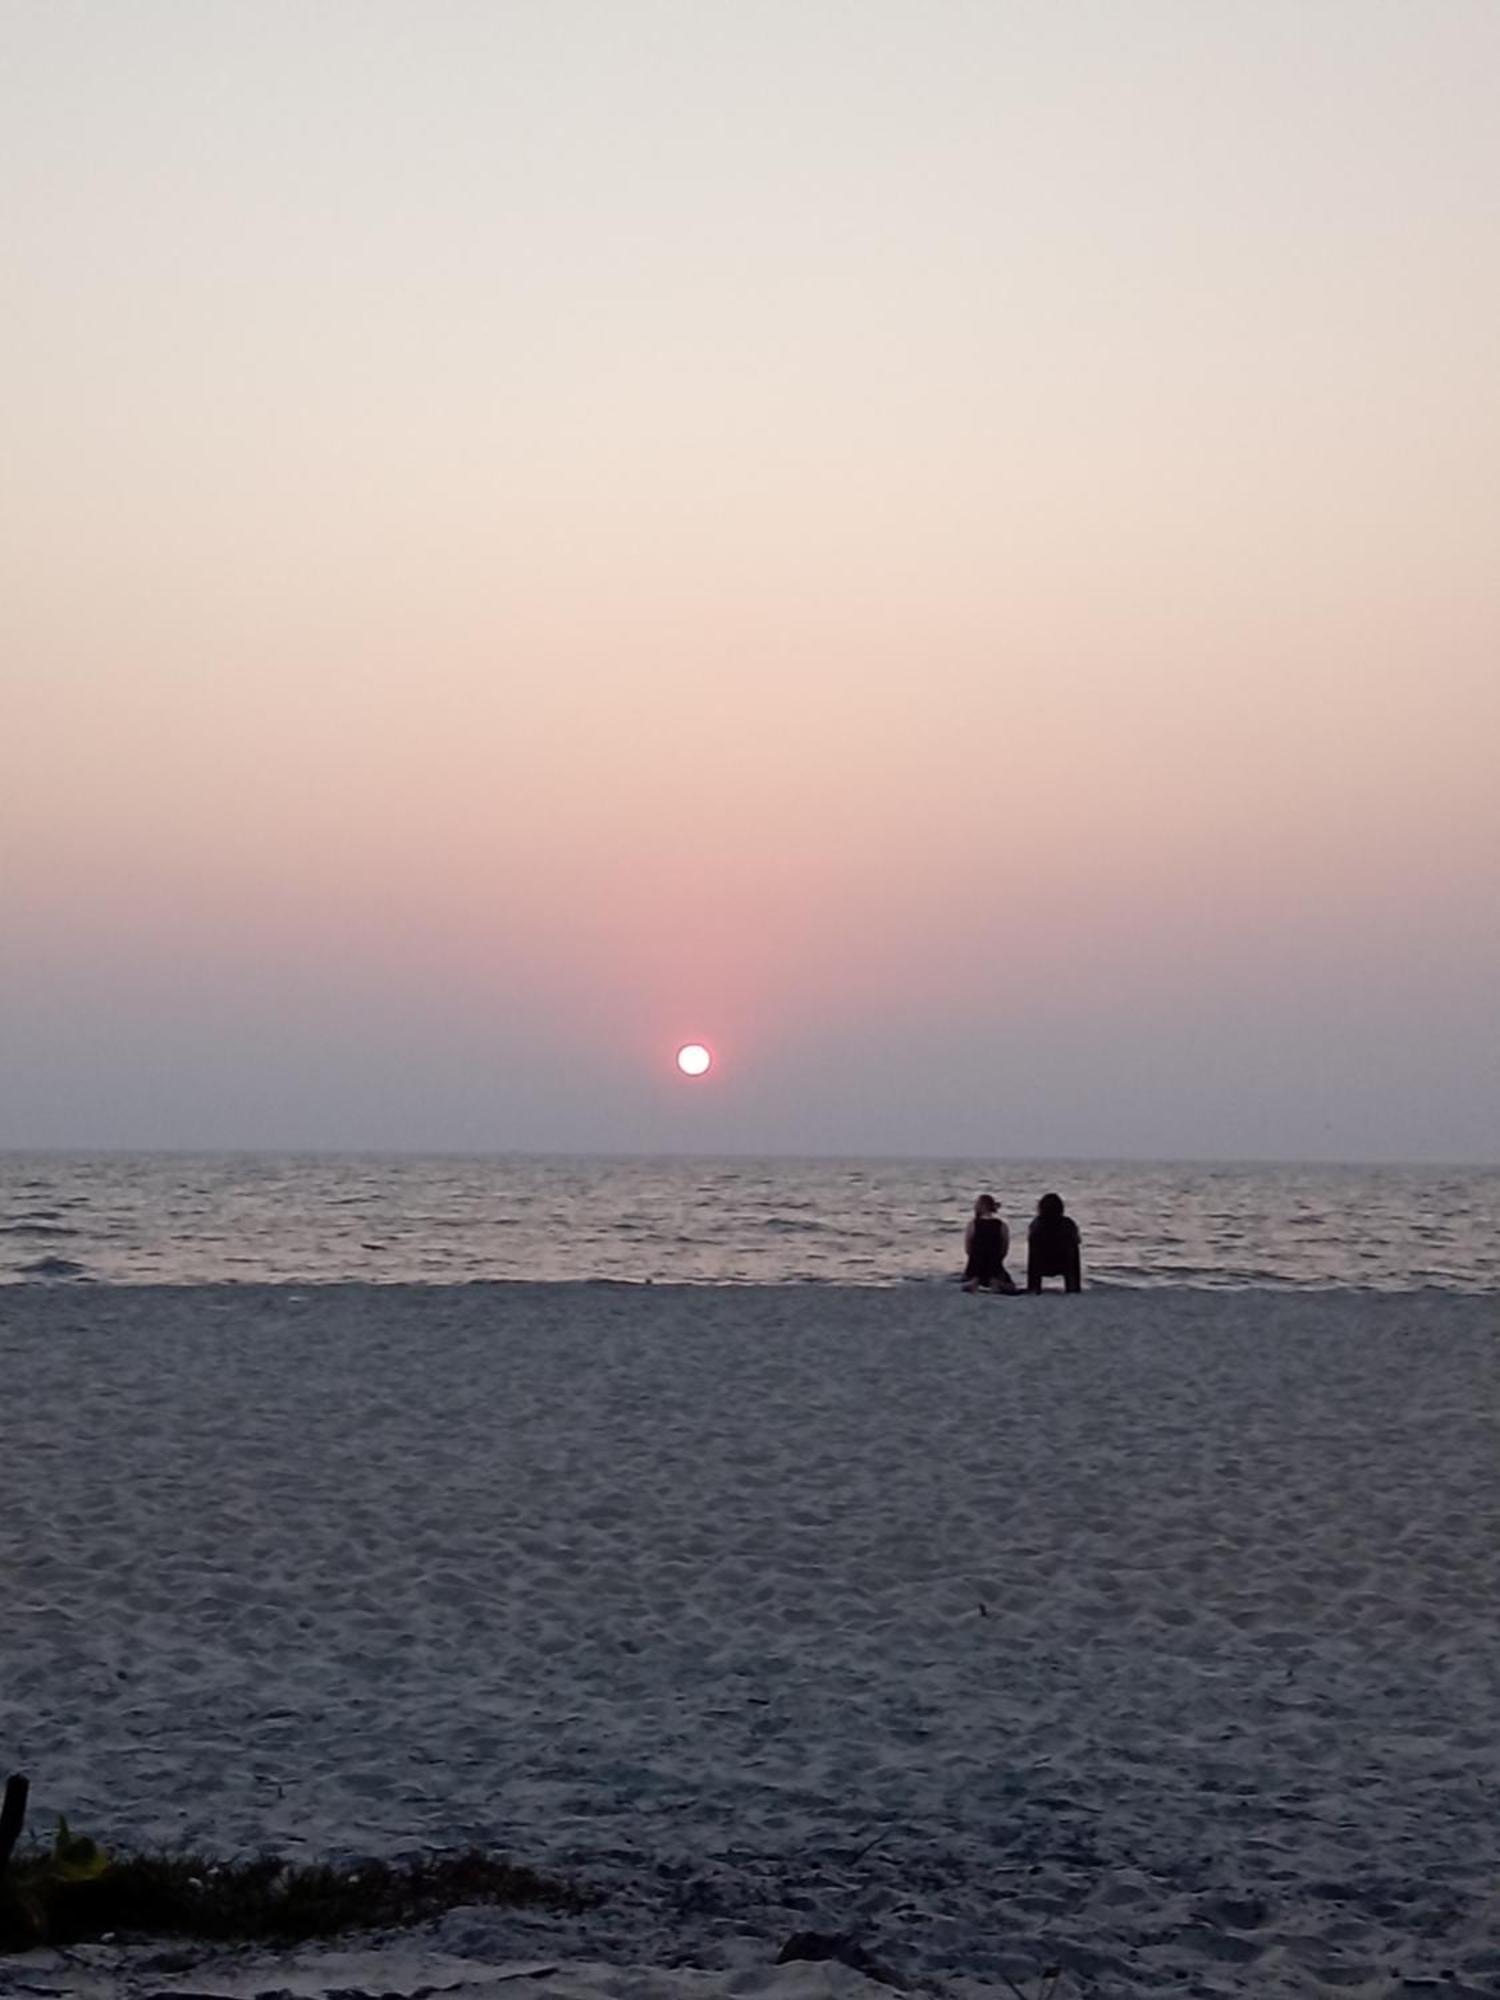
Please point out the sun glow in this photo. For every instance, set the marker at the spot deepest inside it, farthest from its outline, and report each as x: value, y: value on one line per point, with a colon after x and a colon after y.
x: 693, y: 1059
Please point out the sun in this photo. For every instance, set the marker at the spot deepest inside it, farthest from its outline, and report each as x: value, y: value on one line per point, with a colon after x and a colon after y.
x: 694, y: 1060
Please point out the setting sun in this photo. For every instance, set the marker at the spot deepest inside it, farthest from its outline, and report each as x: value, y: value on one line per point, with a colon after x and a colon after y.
x: 694, y: 1060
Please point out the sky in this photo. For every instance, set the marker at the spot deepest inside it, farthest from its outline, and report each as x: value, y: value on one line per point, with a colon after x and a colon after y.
x: 945, y: 548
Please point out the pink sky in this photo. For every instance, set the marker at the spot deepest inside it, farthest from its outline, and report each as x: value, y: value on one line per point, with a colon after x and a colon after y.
x: 948, y: 551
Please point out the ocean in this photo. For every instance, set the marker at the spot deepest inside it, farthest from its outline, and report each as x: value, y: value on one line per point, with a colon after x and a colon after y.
x: 200, y: 1218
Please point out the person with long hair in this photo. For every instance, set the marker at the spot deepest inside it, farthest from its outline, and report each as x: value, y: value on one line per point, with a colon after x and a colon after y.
x: 986, y: 1247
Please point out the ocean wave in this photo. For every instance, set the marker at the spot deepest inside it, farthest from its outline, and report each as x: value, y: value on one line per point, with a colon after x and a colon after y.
x: 52, y: 1267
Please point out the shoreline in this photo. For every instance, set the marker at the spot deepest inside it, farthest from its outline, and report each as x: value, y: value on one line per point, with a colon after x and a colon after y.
x: 937, y: 1282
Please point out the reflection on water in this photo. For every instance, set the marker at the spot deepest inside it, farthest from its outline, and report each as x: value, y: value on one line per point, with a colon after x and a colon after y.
x: 182, y: 1218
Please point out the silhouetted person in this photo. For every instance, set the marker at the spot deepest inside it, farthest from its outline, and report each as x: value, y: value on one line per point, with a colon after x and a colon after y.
x: 1053, y: 1247
x: 986, y: 1247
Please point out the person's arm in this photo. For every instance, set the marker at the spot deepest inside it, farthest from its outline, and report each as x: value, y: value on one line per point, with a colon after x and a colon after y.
x: 1004, y: 1239
x: 969, y: 1238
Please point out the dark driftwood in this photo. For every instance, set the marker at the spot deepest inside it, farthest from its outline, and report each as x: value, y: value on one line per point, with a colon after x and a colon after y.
x: 12, y: 1816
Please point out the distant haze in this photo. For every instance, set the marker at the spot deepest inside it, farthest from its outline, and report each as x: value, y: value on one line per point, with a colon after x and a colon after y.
x: 949, y: 550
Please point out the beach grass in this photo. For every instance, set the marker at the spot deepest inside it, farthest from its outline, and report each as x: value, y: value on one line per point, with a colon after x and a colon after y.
x: 264, y: 1898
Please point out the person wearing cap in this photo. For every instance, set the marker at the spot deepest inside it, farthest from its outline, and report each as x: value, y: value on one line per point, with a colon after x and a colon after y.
x: 986, y: 1247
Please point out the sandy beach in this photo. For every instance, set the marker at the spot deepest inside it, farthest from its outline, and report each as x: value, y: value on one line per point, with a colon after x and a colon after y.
x: 1153, y: 1636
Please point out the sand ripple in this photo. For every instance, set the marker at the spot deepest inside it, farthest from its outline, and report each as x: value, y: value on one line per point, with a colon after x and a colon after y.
x: 1157, y: 1636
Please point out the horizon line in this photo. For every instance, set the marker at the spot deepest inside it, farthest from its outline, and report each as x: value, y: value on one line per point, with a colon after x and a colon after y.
x: 1430, y: 1163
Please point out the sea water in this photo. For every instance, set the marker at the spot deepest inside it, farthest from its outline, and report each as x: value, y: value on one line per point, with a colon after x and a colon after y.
x: 192, y: 1219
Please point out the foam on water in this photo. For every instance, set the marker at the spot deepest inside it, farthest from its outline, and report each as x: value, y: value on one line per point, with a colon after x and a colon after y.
x: 181, y: 1218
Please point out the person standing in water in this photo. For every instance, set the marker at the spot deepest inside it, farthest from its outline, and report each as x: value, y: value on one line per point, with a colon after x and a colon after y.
x: 986, y: 1247
x: 1054, y: 1248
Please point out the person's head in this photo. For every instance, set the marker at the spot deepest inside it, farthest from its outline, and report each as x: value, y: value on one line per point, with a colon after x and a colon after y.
x: 1050, y: 1208
x: 986, y: 1204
